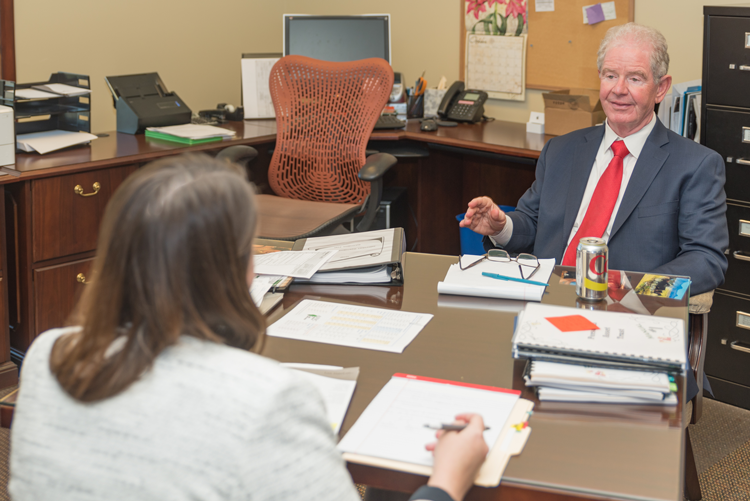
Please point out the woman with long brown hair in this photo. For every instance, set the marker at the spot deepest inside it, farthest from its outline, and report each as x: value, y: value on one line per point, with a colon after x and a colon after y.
x: 155, y: 392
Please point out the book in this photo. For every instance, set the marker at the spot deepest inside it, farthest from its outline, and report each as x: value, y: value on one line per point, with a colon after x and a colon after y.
x: 609, y: 339
x: 663, y: 286
x: 368, y: 257
x: 391, y: 432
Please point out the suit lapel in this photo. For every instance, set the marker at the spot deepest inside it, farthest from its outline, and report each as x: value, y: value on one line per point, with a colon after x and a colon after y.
x: 649, y: 164
x: 583, y: 162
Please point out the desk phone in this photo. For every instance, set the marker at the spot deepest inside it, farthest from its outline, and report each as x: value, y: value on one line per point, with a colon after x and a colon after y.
x: 462, y: 105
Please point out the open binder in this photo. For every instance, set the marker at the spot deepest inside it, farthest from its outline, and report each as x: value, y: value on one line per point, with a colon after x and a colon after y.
x: 375, y: 253
x: 510, y: 441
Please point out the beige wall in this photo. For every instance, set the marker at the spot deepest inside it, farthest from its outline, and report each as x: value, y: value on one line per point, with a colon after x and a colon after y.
x: 196, y: 45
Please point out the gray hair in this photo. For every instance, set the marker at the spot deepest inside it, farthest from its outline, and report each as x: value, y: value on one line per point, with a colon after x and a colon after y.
x: 626, y: 33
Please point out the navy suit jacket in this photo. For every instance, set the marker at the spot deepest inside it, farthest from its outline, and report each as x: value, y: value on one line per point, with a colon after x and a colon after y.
x: 671, y: 219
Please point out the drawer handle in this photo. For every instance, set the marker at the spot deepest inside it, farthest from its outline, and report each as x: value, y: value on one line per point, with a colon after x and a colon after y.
x: 737, y: 345
x: 744, y: 67
x: 81, y: 279
x: 738, y: 255
x: 79, y: 189
x: 743, y: 161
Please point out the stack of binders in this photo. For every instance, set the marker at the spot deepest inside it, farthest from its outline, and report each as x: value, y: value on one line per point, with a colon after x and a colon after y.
x: 595, y: 356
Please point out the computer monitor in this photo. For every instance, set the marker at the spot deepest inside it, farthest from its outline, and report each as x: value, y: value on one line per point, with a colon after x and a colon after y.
x: 338, y: 38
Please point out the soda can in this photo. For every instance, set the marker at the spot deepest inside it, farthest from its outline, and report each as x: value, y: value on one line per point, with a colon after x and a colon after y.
x: 591, y: 269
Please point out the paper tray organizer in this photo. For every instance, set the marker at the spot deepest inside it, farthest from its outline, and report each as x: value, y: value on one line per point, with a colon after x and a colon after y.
x: 510, y: 443
x: 71, y: 113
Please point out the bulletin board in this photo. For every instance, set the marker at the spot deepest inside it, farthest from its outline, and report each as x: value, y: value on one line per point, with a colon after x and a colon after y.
x: 561, y: 50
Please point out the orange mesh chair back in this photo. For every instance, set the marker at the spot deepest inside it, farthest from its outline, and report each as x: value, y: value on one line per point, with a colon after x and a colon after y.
x: 325, y: 113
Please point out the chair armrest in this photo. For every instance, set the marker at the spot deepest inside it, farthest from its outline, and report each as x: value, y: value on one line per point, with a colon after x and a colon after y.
x: 701, y: 303
x: 238, y: 154
x: 376, y: 165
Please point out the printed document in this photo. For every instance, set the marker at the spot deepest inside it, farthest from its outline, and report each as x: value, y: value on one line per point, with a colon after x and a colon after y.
x: 51, y: 140
x: 298, y: 264
x: 335, y: 384
x: 393, y: 425
x: 350, y: 325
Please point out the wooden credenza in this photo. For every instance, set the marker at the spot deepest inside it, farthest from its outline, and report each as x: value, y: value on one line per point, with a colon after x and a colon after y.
x: 54, y: 203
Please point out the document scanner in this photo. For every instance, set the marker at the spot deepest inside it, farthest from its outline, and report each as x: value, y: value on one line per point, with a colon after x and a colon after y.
x: 143, y: 101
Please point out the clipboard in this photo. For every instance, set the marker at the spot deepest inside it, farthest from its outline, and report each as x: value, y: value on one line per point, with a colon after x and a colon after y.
x: 509, y: 443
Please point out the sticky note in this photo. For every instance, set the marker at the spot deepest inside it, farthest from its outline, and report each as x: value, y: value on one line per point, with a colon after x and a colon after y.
x: 595, y: 14
x: 570, y: 323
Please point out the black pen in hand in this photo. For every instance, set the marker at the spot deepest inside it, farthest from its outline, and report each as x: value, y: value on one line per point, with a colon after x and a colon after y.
x: 449, y: 427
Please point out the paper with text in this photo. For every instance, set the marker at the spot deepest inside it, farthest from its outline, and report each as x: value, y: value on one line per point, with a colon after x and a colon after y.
x: 393, y: 425
x: 349, y: 325
x: 302, y: 264
x: 335, y: 384
x: 256, y: 96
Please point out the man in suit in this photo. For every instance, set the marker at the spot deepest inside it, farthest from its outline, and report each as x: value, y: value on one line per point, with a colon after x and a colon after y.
x: 655, y: 197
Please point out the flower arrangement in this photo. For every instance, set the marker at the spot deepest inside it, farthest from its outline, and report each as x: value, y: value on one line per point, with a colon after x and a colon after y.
x: 502, y: 14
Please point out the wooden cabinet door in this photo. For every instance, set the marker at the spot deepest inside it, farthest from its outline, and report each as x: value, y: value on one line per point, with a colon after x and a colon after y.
x: 56, y: 291
x: 67, y: 210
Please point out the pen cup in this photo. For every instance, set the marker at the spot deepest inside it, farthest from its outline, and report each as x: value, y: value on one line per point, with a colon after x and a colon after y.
x: 415, y: 107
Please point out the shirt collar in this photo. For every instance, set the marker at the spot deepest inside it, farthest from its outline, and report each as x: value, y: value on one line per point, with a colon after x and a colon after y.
x: 634, y: 142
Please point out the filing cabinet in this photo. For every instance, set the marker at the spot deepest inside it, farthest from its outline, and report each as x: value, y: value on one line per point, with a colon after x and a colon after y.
x: 725, y: 126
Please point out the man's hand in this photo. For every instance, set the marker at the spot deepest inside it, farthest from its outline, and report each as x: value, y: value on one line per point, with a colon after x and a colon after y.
x: 484, y: 217
x: 458, y: 456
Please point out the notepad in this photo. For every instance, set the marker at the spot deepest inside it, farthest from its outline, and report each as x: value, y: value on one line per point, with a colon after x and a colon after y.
x: 470, y: 282
x: 624, y: 338
x: 391, y: 432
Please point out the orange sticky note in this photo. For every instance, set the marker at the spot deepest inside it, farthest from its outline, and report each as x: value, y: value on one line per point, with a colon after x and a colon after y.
x: 571, y: 323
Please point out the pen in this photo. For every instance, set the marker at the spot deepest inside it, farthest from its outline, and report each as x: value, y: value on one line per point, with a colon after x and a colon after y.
x: 449, y: 427
x: 512, y: 279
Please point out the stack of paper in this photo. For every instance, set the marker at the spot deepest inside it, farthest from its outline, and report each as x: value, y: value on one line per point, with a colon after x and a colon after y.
x: 51, y: 140
x: 190, y: 133
x: 34, y: 94
x: 581, y: 383
x: 471, y: 282
x: 62, y: 89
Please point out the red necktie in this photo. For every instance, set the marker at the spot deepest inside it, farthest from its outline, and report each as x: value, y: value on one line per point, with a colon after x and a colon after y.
x: 602, y: 203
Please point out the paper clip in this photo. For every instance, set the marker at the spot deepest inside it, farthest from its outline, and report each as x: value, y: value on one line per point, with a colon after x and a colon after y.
x: 523, y: 424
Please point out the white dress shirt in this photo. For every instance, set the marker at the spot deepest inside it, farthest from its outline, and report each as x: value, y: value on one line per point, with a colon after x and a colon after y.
x: 634, y: 143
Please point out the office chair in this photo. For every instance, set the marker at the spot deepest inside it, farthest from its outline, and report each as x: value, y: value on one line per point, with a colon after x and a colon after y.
x: 325, y: 113
x: 698, y: 309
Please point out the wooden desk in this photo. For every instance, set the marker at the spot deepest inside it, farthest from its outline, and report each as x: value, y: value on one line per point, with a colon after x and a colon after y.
x: 576, y: 451
x: 52, y: 231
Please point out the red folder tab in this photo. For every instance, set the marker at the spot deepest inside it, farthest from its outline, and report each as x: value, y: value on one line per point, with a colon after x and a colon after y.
x: 457, y: 383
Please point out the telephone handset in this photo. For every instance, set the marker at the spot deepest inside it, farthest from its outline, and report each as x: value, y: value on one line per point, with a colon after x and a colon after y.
x: 462, y: 105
